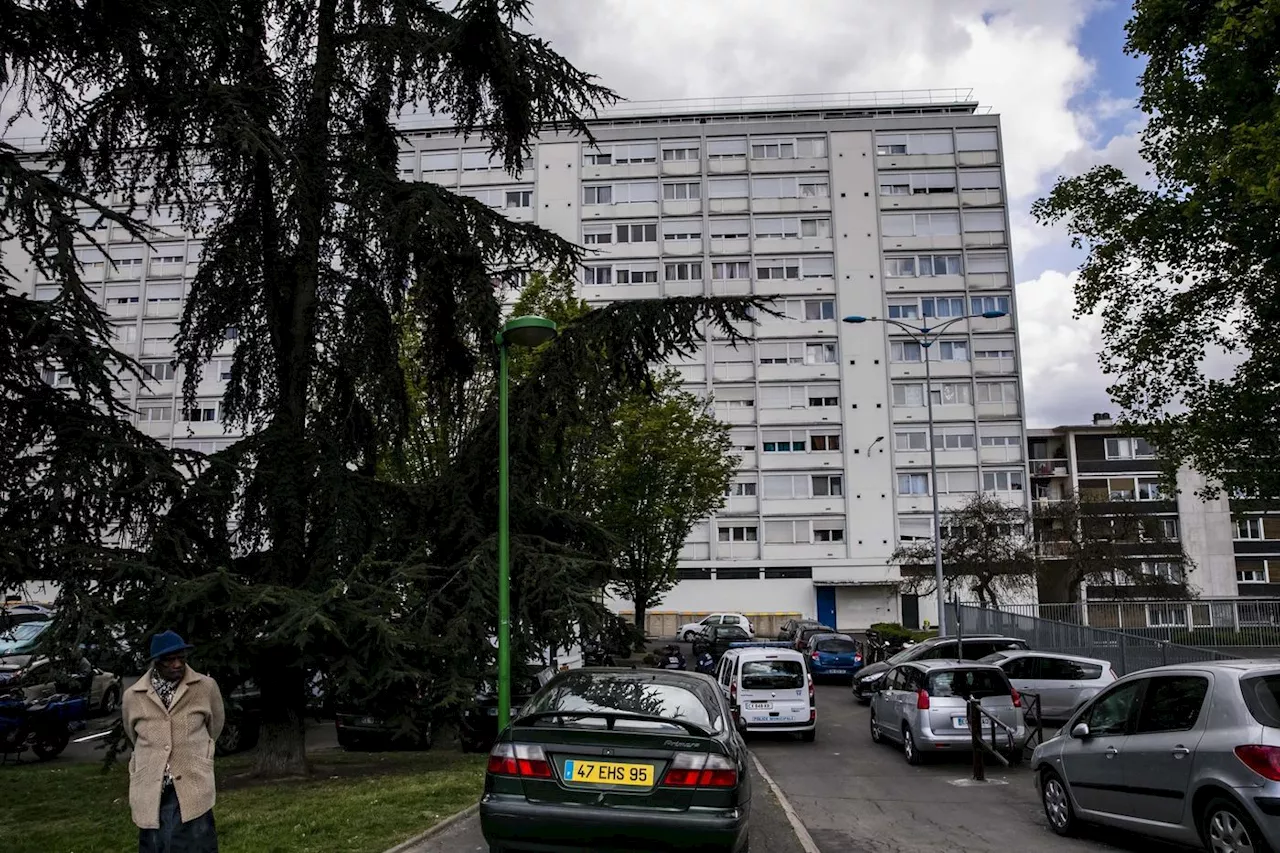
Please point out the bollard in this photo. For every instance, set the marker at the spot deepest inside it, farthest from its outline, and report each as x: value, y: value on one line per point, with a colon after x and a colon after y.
x: 973, y: 710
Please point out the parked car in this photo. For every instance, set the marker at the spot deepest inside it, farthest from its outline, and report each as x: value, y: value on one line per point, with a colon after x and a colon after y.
x: 833, y: 656
x: 716, y: 639
x: 1062, y: 682
x: 934, y: 648
x: 769, y: 689
x: 620, y: 759
x: 923, y: 705
x: 478, y: 728
x: 1189, y: 753
x: 36, y: 677
x: 791, y: 627
x: 21, y: 638
x: 689, y: 630
x: 807, y: 631
x: 243, y: 724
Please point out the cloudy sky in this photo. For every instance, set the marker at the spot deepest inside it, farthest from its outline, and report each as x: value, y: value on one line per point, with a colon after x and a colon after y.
x: 1053, y: 69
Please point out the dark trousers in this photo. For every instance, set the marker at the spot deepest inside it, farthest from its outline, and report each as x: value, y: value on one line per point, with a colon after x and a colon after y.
x: 174, y: 836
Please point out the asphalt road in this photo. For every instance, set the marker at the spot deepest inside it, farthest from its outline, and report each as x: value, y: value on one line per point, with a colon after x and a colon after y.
x: 854, y: 796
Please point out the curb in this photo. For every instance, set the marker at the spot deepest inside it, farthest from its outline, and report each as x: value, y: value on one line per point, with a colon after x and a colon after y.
x: 802, y: 835
x: 406, y: 846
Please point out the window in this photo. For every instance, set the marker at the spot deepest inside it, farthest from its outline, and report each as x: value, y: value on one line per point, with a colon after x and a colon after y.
x: 777, y: 270
x: 1001, y: 481
x: 1112, y: 714
x: 1129, y: 448
x: 988, y: 262
x: 917, y: 183
x: 982, y: 304
x: 479, y: 161
x: 682, y: 191
x: 682, y: 229
x: 724, y: 149
x: 444, y: 161
x: 997, y: 392
x: 819, y: 309
x: 984, y: 221
x: 774, y: 150
x: 900, y: 267
x: 159, y: 371
x: 814, y: 188
x: 683, y: 271
x: 785, y: 487
x: 979, y: 179
x: 828, y: 485
x: 903, y: 310
x: 626, y: 192
x: 203, y: 413
x: 908, y: 441
x: 730, y: 229
x: 992, y: 353
x: 221, y: 369
x: 725, y: 270
x: 952, y: 394
x: 1172, y: 703
x: 784, y: 441
x: 826, y: 442
x: 1249, y: 528
x: 920, y: 224
x: 1001, y: 441
x: 518, y: 198
x: 727, y: 188
x: 638, y: 233
x: 942, y: 306
x: 781, y: 353
x: 820, y: 402
x: 637, y: 273
x: 740, y: 489
x: 594, y: 235
x: 957, y: 482
x: 635, y: 152
x: 914, y: 266
x: 953, y: 351
x: 500, y: 199
x: 908, y: 395
x: 597, y: 275
x: 820, y: 354
x: 953, y: 438
x: 154, y: 414
x: 827, y: 534
x: 913, y: 484
x: 682, y: 152
x: 817, y: 267
x: 1149, y: 489
x: 791, y: 227
x: 786, y: 532
x: 790, y: 187
x: 976, y: 140
x: 159, y: 293
x: 904, y: 351
x: 738, y: 534
x: 914, y: 143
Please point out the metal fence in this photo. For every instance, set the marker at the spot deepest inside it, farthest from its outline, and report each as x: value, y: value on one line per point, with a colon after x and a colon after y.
x: 1253, y: 622
x: 1125, y: 651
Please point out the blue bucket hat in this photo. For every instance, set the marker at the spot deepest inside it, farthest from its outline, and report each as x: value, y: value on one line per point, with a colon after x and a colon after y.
x: 166, y: 643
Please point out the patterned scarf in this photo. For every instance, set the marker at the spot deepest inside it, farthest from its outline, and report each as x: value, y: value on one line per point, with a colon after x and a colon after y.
x: 165, y: 690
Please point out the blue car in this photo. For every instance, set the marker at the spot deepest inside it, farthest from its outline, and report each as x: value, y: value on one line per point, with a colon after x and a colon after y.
x: 834, y: 656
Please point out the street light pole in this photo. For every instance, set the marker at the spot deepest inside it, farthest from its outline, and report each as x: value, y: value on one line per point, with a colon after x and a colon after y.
x: 926, y: 337
x: 529, y: 331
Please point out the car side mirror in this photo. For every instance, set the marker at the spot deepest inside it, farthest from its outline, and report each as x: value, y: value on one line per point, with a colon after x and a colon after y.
x: 1080, y: 731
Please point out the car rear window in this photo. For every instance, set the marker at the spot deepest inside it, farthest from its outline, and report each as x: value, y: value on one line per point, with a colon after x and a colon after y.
x: 836, y: 647
x: 772, y: 674
x: 586, y: 692
x: 966, y: 683
x: 1262, y: 696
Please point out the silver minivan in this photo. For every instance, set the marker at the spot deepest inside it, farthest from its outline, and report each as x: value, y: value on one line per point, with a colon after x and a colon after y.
x: 924, y: 706
x: 1060, y: 683
x: 1189, y: 753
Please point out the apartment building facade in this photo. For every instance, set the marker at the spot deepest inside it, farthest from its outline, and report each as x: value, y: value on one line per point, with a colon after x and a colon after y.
x: 888, y: 206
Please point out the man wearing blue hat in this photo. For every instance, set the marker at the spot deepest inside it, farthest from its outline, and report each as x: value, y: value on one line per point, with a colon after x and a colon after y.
x: 172, y: 716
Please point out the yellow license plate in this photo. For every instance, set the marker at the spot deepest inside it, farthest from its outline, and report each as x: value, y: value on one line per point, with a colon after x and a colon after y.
x: 608, y: 773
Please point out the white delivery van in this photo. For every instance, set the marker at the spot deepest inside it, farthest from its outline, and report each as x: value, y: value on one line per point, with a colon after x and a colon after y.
x: 769, y: 688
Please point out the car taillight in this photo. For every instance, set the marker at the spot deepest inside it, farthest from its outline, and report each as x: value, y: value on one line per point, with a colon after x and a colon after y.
x: 699, y: 770
x: 519, y: 759
x: 922, y: 700
x: 1016, y: 696
x: 1263, y: 760
x: 811, y: 696
x: 857, y: 657
x: 814, y: 655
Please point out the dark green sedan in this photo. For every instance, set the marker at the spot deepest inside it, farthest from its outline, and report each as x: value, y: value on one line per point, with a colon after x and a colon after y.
x: 607, y: 760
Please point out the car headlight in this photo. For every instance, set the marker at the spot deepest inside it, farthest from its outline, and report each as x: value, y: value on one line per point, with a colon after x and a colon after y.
x: 875, y: 676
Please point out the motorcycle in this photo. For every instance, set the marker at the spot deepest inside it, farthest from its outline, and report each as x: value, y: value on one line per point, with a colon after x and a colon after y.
x: 705, y: 664
x: 42, y: 725
x: 671, y: 658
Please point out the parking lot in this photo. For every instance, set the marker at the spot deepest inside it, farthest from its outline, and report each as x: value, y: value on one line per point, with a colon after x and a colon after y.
x: 854, y: 796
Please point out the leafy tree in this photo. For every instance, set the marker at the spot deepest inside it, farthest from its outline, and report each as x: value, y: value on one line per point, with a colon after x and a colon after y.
x: 986, y: 551
x: 1081, y: 539
x: 668, y: 468
x: 1189, y: 262
x: 308, y: 545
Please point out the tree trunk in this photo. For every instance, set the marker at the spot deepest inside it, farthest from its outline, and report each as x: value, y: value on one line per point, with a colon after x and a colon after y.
x: 642, y: 606
x: 282, y: 744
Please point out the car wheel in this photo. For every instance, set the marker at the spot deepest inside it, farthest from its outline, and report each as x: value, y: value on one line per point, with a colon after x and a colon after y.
x: 809, y: 736
x: 110, y: 700
x: 746, y: 845
x: 909, y: 750
x: 688, y: 636
x: 876, y: 737
x: 1057, y: 804
x: 49, y: 745
x: 1227, y: 829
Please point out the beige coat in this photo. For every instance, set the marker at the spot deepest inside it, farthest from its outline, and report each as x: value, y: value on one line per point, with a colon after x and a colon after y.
x: 183, y: 735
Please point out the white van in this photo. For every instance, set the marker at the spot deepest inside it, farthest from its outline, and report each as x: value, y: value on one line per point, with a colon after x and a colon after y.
x: 769, y: 688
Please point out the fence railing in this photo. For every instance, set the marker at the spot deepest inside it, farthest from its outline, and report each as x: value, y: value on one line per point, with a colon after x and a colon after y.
x: 1198, y: 622
x: 1126, y: 652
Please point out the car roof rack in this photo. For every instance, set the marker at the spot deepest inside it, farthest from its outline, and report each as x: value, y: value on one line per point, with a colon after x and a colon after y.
x: 763, y: 644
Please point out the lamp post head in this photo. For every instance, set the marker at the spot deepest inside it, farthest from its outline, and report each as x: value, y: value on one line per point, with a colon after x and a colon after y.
x: 855, y: 318
x: 528, y: 331
x: 994, y: 315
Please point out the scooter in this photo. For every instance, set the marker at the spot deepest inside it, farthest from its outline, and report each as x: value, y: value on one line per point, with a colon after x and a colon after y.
x: 42, y: 725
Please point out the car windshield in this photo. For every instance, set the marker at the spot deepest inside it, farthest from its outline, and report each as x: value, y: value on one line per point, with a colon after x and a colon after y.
x: 772, y: 674
x: 968, y: 683
x: 20, y: 635
x: 909, y: 653
x: 836, y: 647
x: 647, y: 695
x: 1262, y: 696
x: 995, y: 657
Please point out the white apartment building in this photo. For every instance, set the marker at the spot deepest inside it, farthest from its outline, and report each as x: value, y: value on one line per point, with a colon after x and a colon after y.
x: 884, y: 205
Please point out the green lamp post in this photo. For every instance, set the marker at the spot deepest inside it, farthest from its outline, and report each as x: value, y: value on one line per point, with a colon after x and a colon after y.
x: 529, y: 331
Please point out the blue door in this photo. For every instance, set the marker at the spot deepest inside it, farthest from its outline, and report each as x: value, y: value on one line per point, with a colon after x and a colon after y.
x: 827, y: 605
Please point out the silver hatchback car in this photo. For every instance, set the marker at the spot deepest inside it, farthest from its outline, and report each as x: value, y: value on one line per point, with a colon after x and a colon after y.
x: 924, y: 706
x: 1189, y: 753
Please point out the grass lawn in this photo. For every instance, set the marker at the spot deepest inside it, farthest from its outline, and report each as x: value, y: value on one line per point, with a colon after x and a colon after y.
x: 363, y: 802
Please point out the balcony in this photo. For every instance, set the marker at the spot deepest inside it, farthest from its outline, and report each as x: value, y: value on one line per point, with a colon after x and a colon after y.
x: 1049, y: 468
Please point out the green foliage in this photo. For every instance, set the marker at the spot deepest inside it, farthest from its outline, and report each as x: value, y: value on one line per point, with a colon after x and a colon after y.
x: 1187, y: 263
x: 985, y: 551
x: 892, y: 632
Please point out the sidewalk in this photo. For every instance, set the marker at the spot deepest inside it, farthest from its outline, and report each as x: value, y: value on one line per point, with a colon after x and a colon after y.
x: 770, y: 831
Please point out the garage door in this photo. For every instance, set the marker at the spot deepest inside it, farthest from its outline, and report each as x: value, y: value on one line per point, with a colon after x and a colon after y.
x: 860, y: 607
